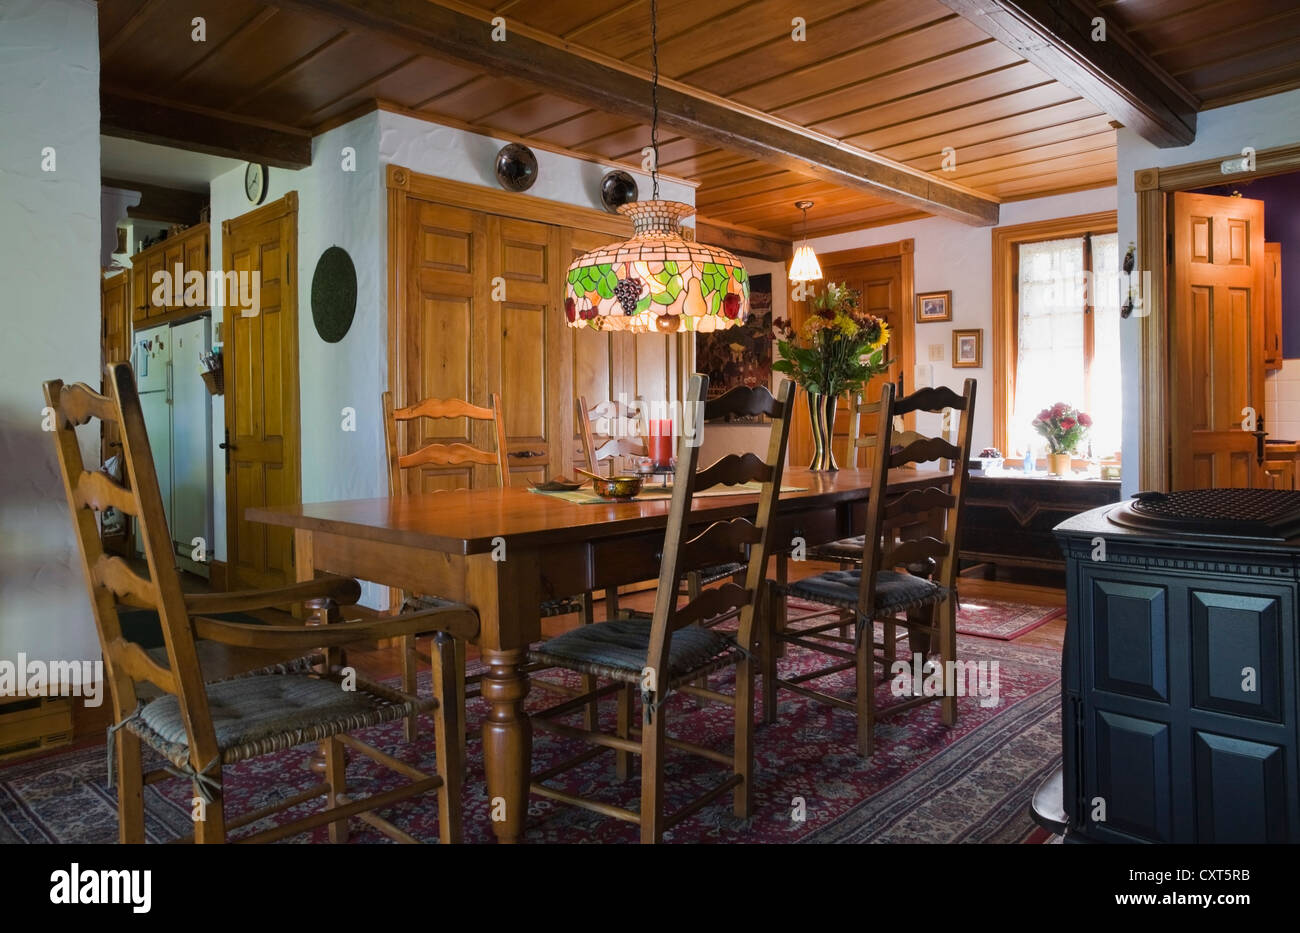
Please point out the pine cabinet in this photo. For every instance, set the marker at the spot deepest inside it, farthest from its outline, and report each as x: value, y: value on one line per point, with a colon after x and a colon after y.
x: 178, y: 256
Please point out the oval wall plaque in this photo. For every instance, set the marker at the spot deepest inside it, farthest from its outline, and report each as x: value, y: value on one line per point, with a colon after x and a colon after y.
x: 333, y: 294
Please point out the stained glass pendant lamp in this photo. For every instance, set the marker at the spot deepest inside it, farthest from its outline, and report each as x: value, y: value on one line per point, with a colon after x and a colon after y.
x: 805, y: 267
x: 656, y: 282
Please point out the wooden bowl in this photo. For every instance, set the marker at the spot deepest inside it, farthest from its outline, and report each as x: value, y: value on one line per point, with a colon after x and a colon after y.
x: 617, y: 487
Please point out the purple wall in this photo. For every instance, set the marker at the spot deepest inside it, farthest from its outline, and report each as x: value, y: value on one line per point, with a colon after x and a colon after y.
x: 1281, y: 197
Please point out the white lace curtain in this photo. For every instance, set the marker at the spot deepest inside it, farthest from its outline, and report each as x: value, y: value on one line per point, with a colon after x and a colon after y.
x: 1050, y: 363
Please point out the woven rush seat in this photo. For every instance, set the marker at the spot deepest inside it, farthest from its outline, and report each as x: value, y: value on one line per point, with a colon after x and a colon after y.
x: 549, y: 608
x: 719, y: 572
x: 617, y: 649
x: 843, y: 549
x: 270, y: 710
x: 895, y: 592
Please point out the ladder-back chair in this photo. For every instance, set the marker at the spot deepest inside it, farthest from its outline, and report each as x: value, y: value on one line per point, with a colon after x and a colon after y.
x: 440, y: 454
x: 670, y: 651
x: 200, y: 727
x: 882, y: 587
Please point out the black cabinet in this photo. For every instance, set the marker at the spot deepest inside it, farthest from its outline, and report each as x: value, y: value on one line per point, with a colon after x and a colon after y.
x: 1180, y: 702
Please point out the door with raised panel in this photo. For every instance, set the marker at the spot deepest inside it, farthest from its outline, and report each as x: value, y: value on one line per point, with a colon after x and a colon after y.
x: 262, y: 444
x: 1216, y: 351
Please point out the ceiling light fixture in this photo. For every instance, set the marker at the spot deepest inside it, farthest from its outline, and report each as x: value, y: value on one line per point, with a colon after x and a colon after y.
x: 805, y: 267
x: 656, y: 281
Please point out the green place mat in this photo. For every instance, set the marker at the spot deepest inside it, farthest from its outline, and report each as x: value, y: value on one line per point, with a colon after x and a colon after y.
x: 582, y: 497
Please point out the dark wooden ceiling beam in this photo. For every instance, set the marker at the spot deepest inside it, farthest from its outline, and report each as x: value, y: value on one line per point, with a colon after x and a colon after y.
x: 200, y: 130
x: 1114, y: 74
x: 460, y: 37
x: 742, y: 242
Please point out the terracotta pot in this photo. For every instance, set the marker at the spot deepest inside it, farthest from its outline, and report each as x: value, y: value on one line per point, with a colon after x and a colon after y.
x: 1059, y: 464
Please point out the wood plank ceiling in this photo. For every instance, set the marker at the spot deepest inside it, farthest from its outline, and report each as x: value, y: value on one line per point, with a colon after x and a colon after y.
x: 901, y: 78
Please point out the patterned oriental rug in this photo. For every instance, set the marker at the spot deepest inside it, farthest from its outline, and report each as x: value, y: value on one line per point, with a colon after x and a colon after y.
x: 986, y: 618
x: 925, y: 783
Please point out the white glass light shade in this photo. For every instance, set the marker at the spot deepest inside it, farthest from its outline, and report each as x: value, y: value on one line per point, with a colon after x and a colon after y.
x: 805, y: 267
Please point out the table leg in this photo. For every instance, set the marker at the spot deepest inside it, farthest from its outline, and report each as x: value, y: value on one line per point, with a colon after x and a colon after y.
x: 507, y: 741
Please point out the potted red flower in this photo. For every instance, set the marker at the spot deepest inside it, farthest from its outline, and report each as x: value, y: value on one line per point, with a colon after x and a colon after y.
x: 1065, y: 427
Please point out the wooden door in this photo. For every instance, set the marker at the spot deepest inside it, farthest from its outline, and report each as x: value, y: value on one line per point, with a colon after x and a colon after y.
x: 527, y: 344
x: 444, y: 337
x: 1216, y: 345
x: 880, y: 282
x: 261, y: 378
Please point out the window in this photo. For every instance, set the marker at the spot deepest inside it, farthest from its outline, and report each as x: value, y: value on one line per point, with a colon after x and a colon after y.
x: 1056, y: 330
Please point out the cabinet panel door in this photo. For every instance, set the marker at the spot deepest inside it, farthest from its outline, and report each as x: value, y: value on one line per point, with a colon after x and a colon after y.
x: 154, y: 264
x: 196, y: 260
x: 1240, y: 790
x: 1131, y: 774
x: 1130, y: 639
x: 1236, y: 653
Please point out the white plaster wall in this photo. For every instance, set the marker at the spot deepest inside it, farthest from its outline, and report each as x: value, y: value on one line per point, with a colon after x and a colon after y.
x: 49, y: 264
x: 335, y: 208
x: 954, y: 256
x: 1220, y: 133
x: 458, y: 155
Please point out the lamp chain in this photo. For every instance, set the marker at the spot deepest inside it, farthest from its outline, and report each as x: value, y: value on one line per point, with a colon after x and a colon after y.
x: 654, y: 98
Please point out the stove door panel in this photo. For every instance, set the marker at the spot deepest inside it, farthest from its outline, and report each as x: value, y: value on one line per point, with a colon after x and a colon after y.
x: 1237, y: 653
x: 1241, y: 793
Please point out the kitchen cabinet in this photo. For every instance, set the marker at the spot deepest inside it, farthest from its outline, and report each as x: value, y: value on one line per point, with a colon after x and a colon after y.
x: 187, y: 252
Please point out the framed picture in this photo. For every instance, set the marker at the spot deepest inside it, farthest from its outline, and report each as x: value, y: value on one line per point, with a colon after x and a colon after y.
x: 741, y: 355
x: 968, y: 349
x: 933, y: 306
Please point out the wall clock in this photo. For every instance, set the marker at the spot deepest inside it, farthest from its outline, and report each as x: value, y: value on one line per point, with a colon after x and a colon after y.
x: 255, y: 177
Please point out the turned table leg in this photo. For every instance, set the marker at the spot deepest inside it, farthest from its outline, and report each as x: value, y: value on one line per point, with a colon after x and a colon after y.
x: 507, y: 742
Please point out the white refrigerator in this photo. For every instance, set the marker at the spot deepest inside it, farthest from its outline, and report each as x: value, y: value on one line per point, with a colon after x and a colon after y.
x: 178, y: 420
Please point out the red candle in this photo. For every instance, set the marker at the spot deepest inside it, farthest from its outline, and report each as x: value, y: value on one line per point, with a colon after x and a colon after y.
x: 661, y: 441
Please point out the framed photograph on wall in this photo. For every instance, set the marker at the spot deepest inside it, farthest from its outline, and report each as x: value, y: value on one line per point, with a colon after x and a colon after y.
x: 933, y: 306
x: 968, y: 349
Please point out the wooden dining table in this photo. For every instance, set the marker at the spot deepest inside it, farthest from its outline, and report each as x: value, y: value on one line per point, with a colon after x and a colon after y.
x: 504, y: 551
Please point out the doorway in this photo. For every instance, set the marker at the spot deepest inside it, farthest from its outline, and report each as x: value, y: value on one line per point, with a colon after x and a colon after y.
x: 1211, y: 230
x: 262, y: 433
x: 883, y: 276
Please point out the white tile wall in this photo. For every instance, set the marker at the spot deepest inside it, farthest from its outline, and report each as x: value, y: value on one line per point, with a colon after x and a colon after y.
x: 1282, y: 401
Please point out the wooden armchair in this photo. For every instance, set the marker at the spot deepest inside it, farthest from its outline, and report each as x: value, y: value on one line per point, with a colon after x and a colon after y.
x: 882, y: 588
x: 199, y: 727
x: 670, y: 652
x: 438, y: 454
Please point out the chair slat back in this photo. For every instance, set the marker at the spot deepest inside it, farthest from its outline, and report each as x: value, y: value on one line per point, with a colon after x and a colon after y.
x: 721, y: 541
x: 437, y: 453
x: 600, y: 444
x: 889, y: 514
x: 111, y: 578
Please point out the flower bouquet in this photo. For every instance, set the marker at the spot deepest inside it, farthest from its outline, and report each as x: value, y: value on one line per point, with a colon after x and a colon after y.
x: 1065, y: 427
x: 838, y: 349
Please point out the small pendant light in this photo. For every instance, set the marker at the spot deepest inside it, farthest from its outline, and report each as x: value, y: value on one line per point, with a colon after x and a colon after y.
x: 805, y: 267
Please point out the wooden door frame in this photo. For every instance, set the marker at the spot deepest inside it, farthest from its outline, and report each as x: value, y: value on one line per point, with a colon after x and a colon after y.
x: 902, y: 250
x: 1005, y: 300
x: 1153, y: 187
x: 285, y: 207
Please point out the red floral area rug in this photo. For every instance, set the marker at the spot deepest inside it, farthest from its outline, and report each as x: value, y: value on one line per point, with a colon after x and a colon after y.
x: 983, y: 618
x: 925, y: 783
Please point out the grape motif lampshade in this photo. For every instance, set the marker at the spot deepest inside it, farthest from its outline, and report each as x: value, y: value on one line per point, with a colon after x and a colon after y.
x: 657, y: 282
